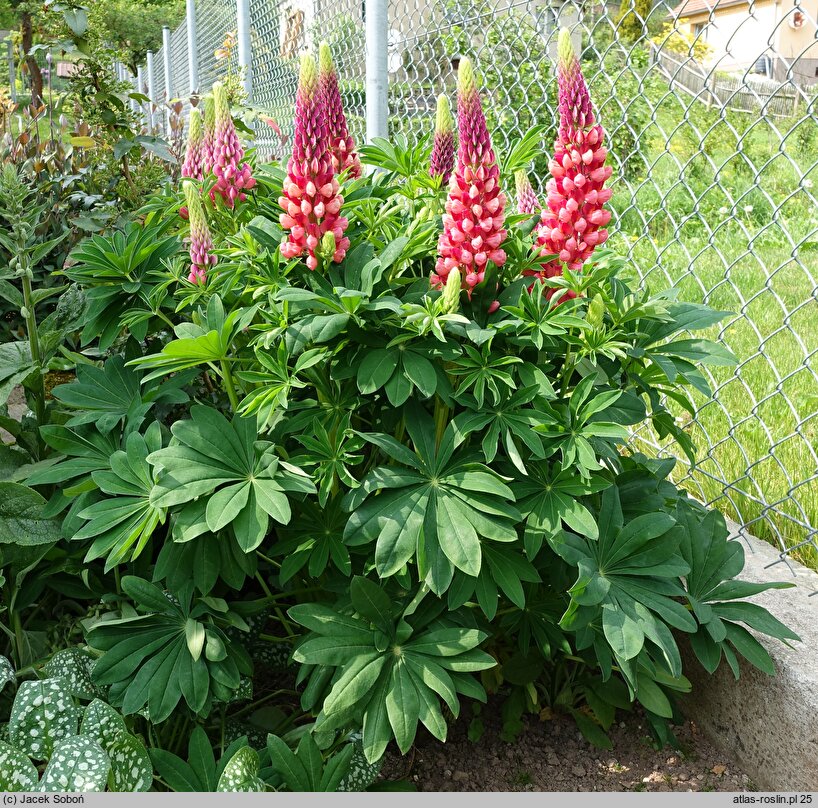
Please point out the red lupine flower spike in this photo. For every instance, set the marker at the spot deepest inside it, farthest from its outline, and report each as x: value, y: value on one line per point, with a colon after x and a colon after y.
x: 572, y: 225
x: 473, y: 230
x: 310, y: 197
x: 341, y: 144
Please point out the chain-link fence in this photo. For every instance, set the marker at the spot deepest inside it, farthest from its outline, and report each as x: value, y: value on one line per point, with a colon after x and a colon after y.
x: 710, y: 108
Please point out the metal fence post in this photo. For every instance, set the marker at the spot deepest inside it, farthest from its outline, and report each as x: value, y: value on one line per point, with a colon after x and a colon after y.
x: 377, y: 69
x: 12, y: 72
x: 140, y: 88
x: 151, y: 89
x: 169, y: 88
x: 192, y: 47
x: 245, y: 51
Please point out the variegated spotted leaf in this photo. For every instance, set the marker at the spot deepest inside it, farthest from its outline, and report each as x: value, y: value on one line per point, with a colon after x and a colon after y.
x: 6, y: 672
x: 241, y: 772
x: 77, y: 764
x: 103, y: 723
x: 17, y: 772
x: 43, y: 714
x: 74, y: 668
x: 361, y: 774
x: 131, y: 768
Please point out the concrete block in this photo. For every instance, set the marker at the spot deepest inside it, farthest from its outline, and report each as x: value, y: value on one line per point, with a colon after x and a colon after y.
x: 767, y: 725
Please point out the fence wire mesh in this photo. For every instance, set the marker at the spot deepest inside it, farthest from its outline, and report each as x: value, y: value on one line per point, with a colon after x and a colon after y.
x: 711, y: 110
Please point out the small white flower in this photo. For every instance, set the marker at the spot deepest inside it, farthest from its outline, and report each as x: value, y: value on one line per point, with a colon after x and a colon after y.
x: 807, y: 183
x: 724, y: 211
x: 748, y: 208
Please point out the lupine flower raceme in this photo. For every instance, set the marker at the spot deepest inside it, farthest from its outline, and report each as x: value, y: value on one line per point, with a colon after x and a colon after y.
x: 342, y: 146
x: 527, y: 201
x: 192, y: 165
x: 310, y: 197
x: 473, y: 229
x: 572, y: 225
x: 233, y: 175
x: 201, y: 242
x: 209, y: 134
x: 442, y: 160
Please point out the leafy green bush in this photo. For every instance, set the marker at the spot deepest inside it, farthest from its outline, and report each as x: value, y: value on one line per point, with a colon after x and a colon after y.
x: 316, y: 511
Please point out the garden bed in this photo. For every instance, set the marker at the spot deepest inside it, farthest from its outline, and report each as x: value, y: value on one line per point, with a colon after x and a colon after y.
x: 552, y: 756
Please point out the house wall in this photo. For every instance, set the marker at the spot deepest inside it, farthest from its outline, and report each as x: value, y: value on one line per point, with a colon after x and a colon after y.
x: 739, y: 37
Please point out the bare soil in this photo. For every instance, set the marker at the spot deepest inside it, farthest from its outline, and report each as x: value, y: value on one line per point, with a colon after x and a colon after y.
x: 552, y: 756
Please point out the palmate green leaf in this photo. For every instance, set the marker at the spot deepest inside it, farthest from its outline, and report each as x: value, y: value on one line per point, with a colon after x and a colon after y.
x: 77, y: 764
x: 549, y: 498
x: 714, y: 562
x: 17, y: 772
x: 220, y: 463
x: 122, y: 524
x: 436, y: 508
x: 392, y: 677
x: 628, y: 579
x: 147, y: 662
x: 43, y: 714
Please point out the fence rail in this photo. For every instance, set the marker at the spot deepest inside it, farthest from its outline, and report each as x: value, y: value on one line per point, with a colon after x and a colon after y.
x: 709, y: 199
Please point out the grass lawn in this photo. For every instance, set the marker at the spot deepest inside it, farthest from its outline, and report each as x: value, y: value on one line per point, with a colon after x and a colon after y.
x: 725, y: 210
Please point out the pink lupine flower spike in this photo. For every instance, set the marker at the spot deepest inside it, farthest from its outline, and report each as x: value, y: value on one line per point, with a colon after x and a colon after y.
x: 233, y: 175
x: 527, y: 201
x: 441, y: 163
x: 201, y: 242
x: 342, y: 146
x: 209, y: 134
x: 572, y: 225
x: 310, y: 197
x: 192, y: 165
x: 473, y: 229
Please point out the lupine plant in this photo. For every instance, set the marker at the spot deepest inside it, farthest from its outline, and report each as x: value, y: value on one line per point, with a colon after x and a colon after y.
x: 340, y: 467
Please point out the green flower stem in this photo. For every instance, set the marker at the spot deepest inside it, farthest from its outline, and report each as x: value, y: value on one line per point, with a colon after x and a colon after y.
x: 33, y: 335
x: 441, y: 420
x: 230, y: 386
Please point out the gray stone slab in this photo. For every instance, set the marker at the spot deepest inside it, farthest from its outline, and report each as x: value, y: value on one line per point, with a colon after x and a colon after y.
x: 768, y: 725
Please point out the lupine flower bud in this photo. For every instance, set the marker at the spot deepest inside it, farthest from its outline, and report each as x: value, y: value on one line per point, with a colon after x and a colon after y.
x: 209, y: 134
x: 233, y: 176
x: 201, y: 242
x: 527, y: 201
x: 473, y: 230
x: 573, y: 223
x: 341, y: 144
x: 451, y: 292
x: 442, y: 161
x: 192, y: 165
x: 310, y: 197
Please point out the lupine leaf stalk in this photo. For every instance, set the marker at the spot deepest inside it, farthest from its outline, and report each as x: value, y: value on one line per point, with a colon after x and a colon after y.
x: 310, y: 196
x: 527, y: 201
x: 441, y: 163
x: 209, y: 134
x: 233, y: 175
x: 201, y: 242
x: 192, y: 165
x: 341, y: 145
x: 473, y: 229
x: 573, y: 223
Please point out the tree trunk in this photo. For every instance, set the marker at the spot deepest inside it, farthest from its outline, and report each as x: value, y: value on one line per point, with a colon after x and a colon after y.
x: 34, y: 73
